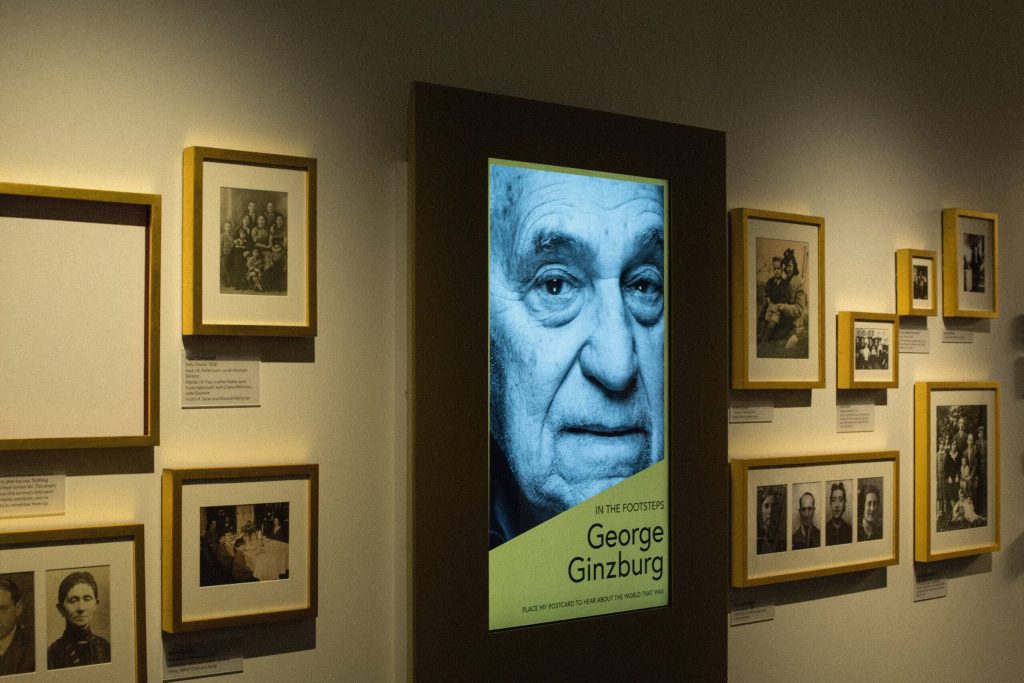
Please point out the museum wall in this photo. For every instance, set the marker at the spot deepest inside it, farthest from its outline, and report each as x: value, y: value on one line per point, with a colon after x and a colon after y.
x: 875, y: 117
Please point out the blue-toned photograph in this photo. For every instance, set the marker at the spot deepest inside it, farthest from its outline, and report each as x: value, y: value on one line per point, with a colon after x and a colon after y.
x: 577, y: 285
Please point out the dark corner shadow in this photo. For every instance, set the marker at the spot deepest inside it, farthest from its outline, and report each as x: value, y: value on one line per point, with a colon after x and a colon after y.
x: 264, y: 349
x: 1018, y: 376
x: 778, y: 398
x: 954, y: 568
x: 914, y: 322
x: 1015, y: 553
x: 76, y: 462
x: 1018, y: 331
x: 858, y: 397
x: 258, y: 640
x: 979, y: 325
x: 807, y: 590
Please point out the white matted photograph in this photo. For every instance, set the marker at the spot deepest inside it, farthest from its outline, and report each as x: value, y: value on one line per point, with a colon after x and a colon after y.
x: 867, y: 350
x: 777, y: 290
x: 828, y: 494
x: 239, y: 546
x: 72, y: 604
x: 249, y: 243
x: 970, y: 263
x: 916, y: 282
x: 957, y: 469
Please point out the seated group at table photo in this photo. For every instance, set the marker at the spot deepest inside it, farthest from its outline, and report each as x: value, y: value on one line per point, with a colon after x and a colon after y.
x: 241, y: 543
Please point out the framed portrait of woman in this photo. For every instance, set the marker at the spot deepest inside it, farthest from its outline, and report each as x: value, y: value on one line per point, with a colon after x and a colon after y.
x: 778, y: 297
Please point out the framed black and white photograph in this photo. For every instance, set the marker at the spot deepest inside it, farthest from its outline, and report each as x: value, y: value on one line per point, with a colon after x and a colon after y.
x: 916, y: 282
x: 957, y: 469
x: 837, y: 504
x: 73, y: 599
x: 970, y: 263
x: 867, y: 350
x: 239, y: 546
x: 778, y: 289
x: 249, y: 243
x: 80, y: 342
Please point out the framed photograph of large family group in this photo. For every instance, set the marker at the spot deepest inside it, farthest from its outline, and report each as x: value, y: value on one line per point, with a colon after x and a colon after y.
x: 239, y: 546
x: 569, y: 252
x: 956, y: 469
x: 72, y: 604
x: 970, y: 264
x: 778, y: 297
x: 916, y: 282
x: 806, y: 516
x: 249, y: 244
x: 867, y: 350
x: 80, y: 342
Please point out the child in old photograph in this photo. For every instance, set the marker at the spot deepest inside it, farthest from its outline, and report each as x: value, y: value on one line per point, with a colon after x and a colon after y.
x: 783, y: 308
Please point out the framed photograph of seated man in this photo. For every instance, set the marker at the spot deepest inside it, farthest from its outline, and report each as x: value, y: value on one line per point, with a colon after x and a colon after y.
x: 249, y: 244
x: 916, y: 282
x: 569, y: 252
x: 72, y: 604
x: 843, y: 516
x: 970, y: 264
x: 239, y: 546
x: 80, y: 342
x: 778, y: 294
x: 956, y: 469
x: 867, y: 350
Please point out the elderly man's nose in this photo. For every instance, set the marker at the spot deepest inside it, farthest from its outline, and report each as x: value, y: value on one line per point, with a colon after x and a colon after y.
x: 609, y: 356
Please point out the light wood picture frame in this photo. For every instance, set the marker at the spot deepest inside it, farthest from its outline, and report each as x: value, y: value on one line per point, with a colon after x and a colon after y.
x: 867, y: 350
x: 956, y: 469
x: 248, y: 244
x: 101, y: 566
x: 778, y: 300
x: 970, y: 264
x: 917, y: 288
x: 80, y: 342
x: 239, y: 546
x: 799, y: 517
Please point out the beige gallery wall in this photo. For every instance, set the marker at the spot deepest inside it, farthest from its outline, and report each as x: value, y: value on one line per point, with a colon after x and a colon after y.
x: 875, y: 116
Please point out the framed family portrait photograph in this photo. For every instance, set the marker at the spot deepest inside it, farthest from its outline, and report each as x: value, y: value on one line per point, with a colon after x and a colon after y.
x: 778, y: 297
x: 249, y: 244
x: 80, y: 342
x: 916, y: 282
x: 805, y: 516
x: 956, y: 469
x: 72, y: 604
x: 867, y: 350
x: 239, y: 546
x: 970, y: 264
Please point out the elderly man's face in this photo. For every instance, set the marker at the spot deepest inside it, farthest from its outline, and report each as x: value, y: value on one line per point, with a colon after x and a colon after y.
x: 577, y: 334
x: 9, y: 613
x: 807, y: 510
x: 79, y: 605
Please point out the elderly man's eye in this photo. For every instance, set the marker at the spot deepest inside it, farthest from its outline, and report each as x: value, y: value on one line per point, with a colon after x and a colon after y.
x: 554, y: 296
x: 643, y: 294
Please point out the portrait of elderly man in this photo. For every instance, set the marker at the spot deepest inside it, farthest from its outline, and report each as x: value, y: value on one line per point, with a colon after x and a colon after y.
x: 17, y: 650
x: 77, y: 599
x: 577, y: 339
